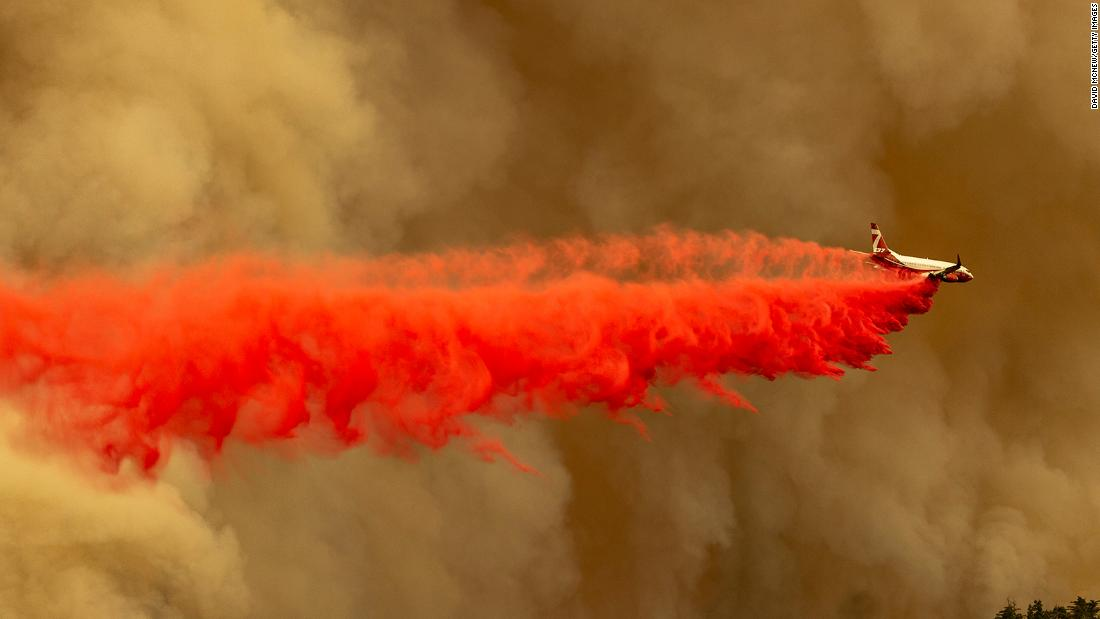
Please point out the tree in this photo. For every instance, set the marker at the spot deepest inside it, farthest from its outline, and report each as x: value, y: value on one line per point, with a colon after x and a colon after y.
x: 1084, y: 610
x: 1079, y: 609
x: 1010, y: 612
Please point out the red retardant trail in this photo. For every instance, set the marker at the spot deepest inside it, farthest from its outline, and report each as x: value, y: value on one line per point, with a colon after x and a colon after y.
x: 400, y: 351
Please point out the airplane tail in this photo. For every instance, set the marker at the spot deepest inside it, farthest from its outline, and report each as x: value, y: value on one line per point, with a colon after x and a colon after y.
x: 878, y: 242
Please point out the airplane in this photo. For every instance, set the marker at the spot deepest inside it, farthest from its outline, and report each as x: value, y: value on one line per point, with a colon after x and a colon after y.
x: 883, y: 257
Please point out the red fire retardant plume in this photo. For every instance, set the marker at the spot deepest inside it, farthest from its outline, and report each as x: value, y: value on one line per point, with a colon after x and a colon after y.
x: 401, y: 351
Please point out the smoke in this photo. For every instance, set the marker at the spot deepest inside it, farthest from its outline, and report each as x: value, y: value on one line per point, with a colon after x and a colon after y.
x: 919, y: 48
x: 393, y: 537
x: 75, y: 546
x: 959, y: 474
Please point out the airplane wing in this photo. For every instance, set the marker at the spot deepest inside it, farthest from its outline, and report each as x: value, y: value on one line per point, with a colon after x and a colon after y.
x: 951, y: 269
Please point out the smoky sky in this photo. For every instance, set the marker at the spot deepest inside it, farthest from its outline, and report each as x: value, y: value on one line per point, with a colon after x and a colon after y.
x: 961, y: 473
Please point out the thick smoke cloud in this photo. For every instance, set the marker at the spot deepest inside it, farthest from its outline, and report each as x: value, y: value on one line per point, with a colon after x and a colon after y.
x: 943, y: 60
x: 961, y: 473
x: 76, y: 547
x: 134, y: 129
x: 362, y: 534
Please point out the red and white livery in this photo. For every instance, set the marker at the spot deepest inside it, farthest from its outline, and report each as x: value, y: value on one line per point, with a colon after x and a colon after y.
x: 883, y: 257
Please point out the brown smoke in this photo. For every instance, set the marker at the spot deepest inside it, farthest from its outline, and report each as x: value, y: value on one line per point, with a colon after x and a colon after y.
x: 961, y: 473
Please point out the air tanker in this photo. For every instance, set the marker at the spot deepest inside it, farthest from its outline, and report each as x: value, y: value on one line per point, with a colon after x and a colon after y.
x: 882, y: 257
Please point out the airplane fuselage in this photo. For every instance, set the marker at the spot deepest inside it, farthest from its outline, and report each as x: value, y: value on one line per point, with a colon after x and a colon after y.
x: 919, y: 266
